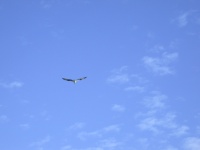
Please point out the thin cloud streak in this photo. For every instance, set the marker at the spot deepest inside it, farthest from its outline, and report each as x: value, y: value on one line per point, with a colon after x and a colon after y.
x: 158, y: 119
x: 192, y: 143
x: 138, y: 89
x: 39, y: 144
x: 25, y: 126
x: 160, y: 65
x: 122, y: 78
x: 118, y: 108
x: 77, y: 126
x: 187, y: 17
x: 14, y: 84
x: 84, y: 135
x: 156, y: 101
x: 183, y: 19
x: 4, y: 118
x: 119, y: 76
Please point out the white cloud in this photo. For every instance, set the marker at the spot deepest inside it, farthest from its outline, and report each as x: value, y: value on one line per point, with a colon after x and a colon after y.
x: 45, y: 115
x: 158, y: 119
x: 157, y: 48
x: 143, y: 142
x: 160, y: 65
x: 15, y: 84
x: 77, y: 125
x: 120, y: 70
x: 183, y: 19
x: 181, y: 130
x: 198, y: 129
x: 25, y: 126
x: 157, y: 101
x: 171, y: 148
x: 164, y: 123
x: 39, y: 144
x: 93, y: 148
x: 119, y: 75
x: 134, y: 28
x: 24, y: 41
x: 99, y: 133
x: 85, y: 135
x: 188, y: 17
x: 118, y: 108
x: 120, y: 78
x: 66, y: 147
x: 150, y: 123
x: 46, y: 3
x: 111, y: 128
x: 139, y: 89
x: 110, y: 144
x: 103, y: 144
x: 4, y: 118
x: 192, y: 143
x: 191, y: 16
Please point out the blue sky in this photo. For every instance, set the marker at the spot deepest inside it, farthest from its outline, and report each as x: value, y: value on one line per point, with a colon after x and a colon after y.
x: 141, y: 58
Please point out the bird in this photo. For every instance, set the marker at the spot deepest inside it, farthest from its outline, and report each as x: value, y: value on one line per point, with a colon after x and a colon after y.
x: 74, y: 80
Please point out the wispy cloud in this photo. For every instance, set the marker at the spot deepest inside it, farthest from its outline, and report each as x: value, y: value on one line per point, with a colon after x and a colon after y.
x: 143, y: 142
x: 139, y: 89
x: 47, y: 3
x: 110, y: 143
x: 164, y: 124
x: 171, y: 148
x: 118, y: 108
x: 4, y: 118
x: 14, y: 84
x: 45, y: 115
x: 25, y: 126
x: 150, y: 123
x: 66, y: 147
x: 24, y: 41
x: 139, y: 79
x: 119, y: 78
x: 158, y: 119
x: 192, y: 143
x: 183, y: 19
x: 128, y: 80
x: 180, y: 130
x: 119, y: 75
x: 84, y: 135
x: 103, y: 144
x: 160, y: 65
x: 77, y: 126
x: 111, y: 128
x: 157, y: 48
x: 187, y: 17
x: 39, y: 144
x: 156, y: 101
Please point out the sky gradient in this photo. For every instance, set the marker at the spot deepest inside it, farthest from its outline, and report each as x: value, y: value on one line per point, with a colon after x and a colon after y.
x: 142, y: 62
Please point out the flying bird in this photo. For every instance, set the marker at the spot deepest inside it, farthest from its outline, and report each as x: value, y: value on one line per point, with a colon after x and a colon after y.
x: 74, y: 80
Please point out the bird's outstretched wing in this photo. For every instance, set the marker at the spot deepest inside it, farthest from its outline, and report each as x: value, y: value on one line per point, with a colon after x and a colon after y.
x: 74, y: 80
x: 81, y: 78
x: 67, y: 79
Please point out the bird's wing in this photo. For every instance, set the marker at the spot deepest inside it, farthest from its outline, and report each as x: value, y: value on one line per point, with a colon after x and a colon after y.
x: 67, y: 79
x: 81, y: 78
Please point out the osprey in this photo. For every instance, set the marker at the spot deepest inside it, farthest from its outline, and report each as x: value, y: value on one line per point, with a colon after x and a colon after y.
x: 74, y: 80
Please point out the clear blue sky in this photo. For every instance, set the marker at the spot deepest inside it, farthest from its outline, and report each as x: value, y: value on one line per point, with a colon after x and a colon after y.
x: 142, y: 62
